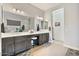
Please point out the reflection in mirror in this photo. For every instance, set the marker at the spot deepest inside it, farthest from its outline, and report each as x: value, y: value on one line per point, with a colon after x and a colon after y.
x: 17, y: 20
x: 39, y: 23
x: 42, y: 26
x: 46, y: 24
x: 31, y: 23
x: 13, y: 22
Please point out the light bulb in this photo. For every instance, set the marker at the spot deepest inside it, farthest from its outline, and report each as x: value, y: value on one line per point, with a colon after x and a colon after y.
x: 18, y: 11
x: 22, y: 12
x: 41, y: 18
x: 14, y: 10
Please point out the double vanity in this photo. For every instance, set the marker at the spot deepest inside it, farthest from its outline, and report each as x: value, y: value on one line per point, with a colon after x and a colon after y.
x: 15, y: 43
x: 21, y: 32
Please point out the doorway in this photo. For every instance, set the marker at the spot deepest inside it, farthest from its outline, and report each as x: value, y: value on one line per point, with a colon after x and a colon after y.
x: 58, y: 24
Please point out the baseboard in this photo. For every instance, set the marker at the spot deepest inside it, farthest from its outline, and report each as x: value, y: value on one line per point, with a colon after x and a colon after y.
x: 68, y: 46
x: 58, y: 42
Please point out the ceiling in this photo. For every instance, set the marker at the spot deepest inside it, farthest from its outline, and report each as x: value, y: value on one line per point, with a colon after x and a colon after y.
x: 45, y: 6
x: 42, y: 6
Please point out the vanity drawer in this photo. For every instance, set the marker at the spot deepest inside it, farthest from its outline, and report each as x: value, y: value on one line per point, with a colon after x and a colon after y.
x: 19, y: 39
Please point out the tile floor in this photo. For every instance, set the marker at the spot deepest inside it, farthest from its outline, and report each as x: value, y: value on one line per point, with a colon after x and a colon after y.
x: 48, y: 49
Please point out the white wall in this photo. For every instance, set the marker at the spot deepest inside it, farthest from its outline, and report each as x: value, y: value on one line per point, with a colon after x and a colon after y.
x: 71, y: 23
x: 48, y: 17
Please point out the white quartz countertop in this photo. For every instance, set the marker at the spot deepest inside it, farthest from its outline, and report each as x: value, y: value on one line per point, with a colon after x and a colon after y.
x: 5, y: 35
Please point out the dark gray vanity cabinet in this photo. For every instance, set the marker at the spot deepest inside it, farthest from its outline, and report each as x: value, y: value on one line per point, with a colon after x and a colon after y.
x: 20, y: 44
x: 7, y: 46
x: 40, y: 39
x: 43, y: 38
x: 28, y: 42
x: 15, y: 45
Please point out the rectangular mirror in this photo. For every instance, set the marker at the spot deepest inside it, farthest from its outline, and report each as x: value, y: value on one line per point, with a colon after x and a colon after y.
x: 45, y: 24
x: 14, y: 21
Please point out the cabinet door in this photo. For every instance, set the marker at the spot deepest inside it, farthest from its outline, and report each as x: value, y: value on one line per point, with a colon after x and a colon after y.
x: 28, y: 42
x: 20, y: 44
x: 45, y: 38
x: 8, y: 46
x: 40, y: 39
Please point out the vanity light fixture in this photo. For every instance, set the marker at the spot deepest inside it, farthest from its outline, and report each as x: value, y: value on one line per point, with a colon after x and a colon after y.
x: 46, y: 20
x: 22, y: 12
x: 18, y: 11
x: 14, y: 10
x: 38, y: 17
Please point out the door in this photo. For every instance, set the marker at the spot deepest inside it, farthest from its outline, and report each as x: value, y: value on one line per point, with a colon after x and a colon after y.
x: 58, y: 24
